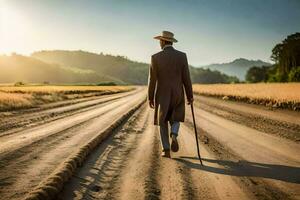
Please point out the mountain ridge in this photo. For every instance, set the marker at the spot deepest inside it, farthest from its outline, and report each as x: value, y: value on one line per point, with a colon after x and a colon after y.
x: 237, y: 67
x: 19, y: 68
x: 121, y: 67
x: 62, y: 66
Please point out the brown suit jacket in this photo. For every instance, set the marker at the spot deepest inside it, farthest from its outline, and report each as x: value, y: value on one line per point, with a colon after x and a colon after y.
x: 169, y: 76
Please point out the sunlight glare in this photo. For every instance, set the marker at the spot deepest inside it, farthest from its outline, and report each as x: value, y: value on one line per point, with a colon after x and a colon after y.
x: 13, y: 29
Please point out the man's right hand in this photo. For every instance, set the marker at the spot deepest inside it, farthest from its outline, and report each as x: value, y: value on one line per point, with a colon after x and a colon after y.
x: 190, y: 101
x: 151, y: 104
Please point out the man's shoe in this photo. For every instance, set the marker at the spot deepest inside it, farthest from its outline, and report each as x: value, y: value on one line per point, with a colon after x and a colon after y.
x: 174, y: 145
x: 166, y: 153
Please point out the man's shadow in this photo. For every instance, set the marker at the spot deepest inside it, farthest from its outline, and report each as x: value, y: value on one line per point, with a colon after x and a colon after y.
x: 244, y: 168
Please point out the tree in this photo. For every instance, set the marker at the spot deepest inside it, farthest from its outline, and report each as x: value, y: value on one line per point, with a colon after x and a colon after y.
x: 257, y: 74
x: 286, y: 55
x: 207, y: 76
x: 294, y: 75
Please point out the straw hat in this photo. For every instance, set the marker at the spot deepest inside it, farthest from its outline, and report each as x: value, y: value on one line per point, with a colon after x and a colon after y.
x: 167, y: 36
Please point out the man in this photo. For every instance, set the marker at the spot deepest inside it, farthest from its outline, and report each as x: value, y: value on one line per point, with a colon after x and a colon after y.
x: 168, y: 76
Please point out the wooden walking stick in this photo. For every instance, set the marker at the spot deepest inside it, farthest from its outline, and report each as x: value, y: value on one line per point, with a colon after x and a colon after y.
x: 196, y: 134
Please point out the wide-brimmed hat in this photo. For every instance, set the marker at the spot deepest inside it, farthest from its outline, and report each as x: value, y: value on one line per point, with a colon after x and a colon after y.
x: 167, y: 36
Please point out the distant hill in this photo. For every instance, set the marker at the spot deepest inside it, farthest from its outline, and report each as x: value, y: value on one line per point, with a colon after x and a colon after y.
x: 238, y: 67
x: 17, y: 68
x: 79, y: 67
x: 121, y: 68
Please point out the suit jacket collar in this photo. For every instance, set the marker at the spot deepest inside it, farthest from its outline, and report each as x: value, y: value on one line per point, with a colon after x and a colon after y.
x: 168, y: 47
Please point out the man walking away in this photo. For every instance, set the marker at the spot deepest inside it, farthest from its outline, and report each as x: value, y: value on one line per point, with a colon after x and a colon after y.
x: 169, y: 76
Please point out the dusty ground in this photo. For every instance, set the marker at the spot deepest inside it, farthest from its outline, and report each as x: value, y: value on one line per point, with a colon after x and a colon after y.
x: 248, y: 152
x: 14, y: 121
x: 29, y: 155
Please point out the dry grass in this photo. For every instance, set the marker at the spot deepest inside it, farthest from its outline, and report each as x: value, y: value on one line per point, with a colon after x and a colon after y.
x: 12, y: 98
x: 283, y: 95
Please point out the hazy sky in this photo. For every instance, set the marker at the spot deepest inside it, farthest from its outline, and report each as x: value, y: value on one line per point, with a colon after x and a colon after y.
x: 209, y: 31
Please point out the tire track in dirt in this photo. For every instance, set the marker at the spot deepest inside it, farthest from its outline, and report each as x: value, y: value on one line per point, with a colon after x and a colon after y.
x: 23, y: 138
x: 138, y: 179
x: 43, y: 143
x: 24, y: 168
x: 12, y: 124
x: 18, y: 164
x: 100, y: 175
x: 263, y: 120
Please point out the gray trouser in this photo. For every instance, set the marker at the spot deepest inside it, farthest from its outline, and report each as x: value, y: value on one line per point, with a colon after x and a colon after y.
x: 164, y: 133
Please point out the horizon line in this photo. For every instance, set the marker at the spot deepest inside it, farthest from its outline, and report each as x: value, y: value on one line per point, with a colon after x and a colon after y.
x: 126, y: 57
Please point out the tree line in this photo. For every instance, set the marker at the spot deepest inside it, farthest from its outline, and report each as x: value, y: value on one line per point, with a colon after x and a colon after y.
x: 286, y: 56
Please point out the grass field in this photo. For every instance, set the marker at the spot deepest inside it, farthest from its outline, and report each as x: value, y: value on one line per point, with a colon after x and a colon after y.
x: 12, y: 98
x: 282, y: 95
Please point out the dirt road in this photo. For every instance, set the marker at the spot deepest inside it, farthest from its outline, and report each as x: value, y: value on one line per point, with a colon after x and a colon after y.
x: 249, y: 152
x: 27, y: 156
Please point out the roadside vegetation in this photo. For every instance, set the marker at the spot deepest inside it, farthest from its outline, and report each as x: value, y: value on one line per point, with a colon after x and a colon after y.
x: 286, y: 56
x: 276, y: 95
x: 208, y: 76
x: 19, y: 97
